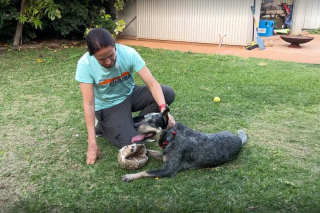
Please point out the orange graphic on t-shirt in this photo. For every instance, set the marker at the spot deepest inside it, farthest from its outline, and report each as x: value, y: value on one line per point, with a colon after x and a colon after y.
x: 108, y: 81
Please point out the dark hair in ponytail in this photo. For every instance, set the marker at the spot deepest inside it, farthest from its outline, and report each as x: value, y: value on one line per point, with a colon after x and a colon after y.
x: 99, y: 38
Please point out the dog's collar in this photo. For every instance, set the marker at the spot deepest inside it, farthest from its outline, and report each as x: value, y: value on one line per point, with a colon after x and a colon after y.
x: 166, y: 142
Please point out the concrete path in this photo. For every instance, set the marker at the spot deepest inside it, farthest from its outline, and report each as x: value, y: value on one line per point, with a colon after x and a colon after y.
x: 308, y: 53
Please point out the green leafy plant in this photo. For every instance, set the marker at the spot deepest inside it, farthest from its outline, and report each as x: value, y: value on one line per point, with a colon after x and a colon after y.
x: 120, y: 25
x: 7, y: 21
x: 74, y: 22
x: 104, y: 20
x: 316, y: 31
x: 35, y: 10
x: 119, y: 4
x: 42, y: 19
x: 32, y: 11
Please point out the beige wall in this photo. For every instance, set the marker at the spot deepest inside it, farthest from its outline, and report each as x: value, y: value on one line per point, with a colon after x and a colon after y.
x: 312, y: 15
x: 196, y: 20
x: 306, y: 15
x: 298, y: 14
x: 202, y: 20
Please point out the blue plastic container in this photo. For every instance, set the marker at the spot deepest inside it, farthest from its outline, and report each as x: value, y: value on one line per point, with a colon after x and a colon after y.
x: 266, y: 28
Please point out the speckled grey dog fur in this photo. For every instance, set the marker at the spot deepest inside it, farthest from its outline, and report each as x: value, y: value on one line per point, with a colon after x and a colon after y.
x: 188, y: 149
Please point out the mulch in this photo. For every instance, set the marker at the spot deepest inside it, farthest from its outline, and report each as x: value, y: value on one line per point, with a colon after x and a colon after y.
x: 43, y: 44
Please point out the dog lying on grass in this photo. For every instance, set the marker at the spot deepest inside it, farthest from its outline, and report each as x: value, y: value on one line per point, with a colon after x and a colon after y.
x: 184, y: 148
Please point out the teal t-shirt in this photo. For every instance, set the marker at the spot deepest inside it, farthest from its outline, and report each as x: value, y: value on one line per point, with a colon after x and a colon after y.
x: 111, y: 85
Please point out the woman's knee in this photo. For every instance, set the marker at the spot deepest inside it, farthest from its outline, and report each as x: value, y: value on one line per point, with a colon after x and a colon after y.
x: 120, y: 135
x: 168, y: 93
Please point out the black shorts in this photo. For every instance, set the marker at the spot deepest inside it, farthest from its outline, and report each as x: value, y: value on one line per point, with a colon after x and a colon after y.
x: 116, y: 122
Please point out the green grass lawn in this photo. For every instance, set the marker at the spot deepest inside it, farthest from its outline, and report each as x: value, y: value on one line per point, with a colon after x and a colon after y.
x: 43, y: 139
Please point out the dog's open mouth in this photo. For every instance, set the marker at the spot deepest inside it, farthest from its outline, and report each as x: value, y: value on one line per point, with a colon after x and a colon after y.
x: 142, y: 136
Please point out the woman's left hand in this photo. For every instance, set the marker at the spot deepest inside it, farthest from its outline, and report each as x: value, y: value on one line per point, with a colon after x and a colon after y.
x: 171, y: 121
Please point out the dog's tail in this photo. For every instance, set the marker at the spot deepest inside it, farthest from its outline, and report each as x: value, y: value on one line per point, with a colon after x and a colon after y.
x: 242, y: 135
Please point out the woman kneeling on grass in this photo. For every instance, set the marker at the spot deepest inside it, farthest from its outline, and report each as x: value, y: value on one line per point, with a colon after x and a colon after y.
x: 105, y: 74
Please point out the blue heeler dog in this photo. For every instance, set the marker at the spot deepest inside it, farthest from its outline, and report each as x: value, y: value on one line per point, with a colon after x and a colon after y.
x: 184, y: 148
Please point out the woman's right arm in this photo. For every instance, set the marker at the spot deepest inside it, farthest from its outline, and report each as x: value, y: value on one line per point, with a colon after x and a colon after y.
x: 89, y: 114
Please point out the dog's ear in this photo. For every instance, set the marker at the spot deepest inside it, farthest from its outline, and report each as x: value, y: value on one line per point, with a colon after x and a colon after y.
x: 165, y: 116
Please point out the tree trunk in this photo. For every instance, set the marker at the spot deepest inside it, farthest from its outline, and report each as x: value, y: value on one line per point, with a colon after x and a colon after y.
x: 18, y: 34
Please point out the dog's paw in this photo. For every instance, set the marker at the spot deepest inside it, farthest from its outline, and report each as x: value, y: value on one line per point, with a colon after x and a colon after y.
x: 127, y: 178
x: 131, y: 177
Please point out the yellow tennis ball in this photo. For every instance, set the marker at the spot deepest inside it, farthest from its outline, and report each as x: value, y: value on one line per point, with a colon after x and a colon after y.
x: 216, y: 99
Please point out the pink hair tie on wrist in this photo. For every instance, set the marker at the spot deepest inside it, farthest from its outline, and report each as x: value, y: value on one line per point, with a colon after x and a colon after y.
x: 163, y: 106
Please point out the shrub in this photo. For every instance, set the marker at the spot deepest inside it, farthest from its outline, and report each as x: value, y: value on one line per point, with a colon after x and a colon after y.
x: 8, y: 23
x: 76, y: 17
x: 316, y: 31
